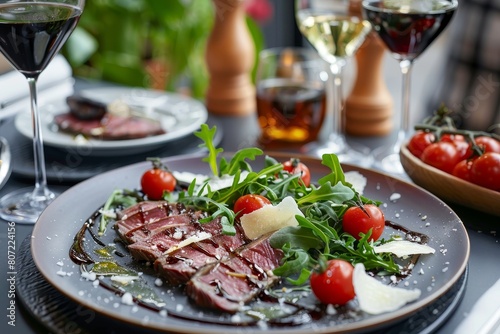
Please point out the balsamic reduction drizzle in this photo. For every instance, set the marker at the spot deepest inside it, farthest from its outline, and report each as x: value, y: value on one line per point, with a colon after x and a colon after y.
x: 299, y: 314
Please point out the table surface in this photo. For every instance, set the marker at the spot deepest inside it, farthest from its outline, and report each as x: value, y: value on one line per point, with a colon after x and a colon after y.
x: 241, y: 132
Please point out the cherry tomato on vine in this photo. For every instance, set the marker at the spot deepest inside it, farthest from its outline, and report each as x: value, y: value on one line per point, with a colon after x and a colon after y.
x: 485, y: 171
x: 156, y: 181
x: 460, y: 143
x: 249, y: 203
x: 419, y: 141
x: 294, y: 166
x: 452, y: 138
x: 488, y: 144
x: 441, y: 155
x: 358, y: 220
x: 333, y: 285
x: 462, y: 170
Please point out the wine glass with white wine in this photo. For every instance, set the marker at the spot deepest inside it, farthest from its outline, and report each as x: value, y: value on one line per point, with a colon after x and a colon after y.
x: 31, y: 33
x: 336, y: 33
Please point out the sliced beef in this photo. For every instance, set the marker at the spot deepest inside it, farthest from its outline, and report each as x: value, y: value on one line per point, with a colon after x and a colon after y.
x: 146, y: 218
x: 110, y: 126
x: 179, y: 266
x: 180, y: 228
x: 147, y: 231
x: 229, y: 284
x: 220, y: 271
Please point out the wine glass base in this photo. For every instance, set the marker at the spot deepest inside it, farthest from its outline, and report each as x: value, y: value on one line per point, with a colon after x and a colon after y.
x: 355, y: 154
x: 23, y: 207
x: 389, y: 163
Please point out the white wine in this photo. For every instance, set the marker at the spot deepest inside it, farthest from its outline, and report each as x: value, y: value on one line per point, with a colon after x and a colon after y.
x: 333, y: 36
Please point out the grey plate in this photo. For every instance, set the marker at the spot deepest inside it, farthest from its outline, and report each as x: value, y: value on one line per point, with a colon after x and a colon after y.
x: 179, y: 115
x: 53, y: 235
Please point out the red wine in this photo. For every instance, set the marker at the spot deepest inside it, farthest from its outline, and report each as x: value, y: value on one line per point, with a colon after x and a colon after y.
x: 407, y: 32
x: 32, y: 33
x: 289, y: 112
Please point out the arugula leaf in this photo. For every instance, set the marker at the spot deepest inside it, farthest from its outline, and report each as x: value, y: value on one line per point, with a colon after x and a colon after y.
x: 346, y: 247
x: 337, y: 174
x: 207, y: 135
x: 296, y: 237
x: 238, y: 161
x: 295, y: 259
x: 119, y: 197
x: 302, y: 279
x: 337, y: 194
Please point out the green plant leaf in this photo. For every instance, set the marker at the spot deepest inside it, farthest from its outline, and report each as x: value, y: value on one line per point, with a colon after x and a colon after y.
x: 79, y: 47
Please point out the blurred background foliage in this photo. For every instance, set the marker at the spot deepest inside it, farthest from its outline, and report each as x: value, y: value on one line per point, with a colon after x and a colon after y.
x: 146, y: 43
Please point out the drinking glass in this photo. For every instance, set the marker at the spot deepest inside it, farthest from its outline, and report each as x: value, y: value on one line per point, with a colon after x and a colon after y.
x: 291, y: 97
x: 407, y: 28
x: 336, y: 34
x: 31, y: 33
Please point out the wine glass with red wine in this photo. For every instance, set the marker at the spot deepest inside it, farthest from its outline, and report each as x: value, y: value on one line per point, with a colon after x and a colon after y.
x: 407, y: 27
x: 336, y: 33
x: 31, y: 33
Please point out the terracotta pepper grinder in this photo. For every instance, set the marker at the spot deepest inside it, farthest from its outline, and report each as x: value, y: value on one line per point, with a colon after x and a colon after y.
x: 369, y: 107
x: 230, y: 56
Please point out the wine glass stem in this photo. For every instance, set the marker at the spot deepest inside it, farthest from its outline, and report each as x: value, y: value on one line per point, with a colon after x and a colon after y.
x: 338, y: 105
x: 406, y: 66
x: 41, y: 189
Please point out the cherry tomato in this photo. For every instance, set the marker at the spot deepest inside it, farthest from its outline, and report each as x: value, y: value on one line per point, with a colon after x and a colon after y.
x: 249, y: 203
x: 156, y: 181
x: 460, y: 143
x: 334, y: 284
x: 462, y: 170
x: 294, y: 166
x: 452, y: 138
x: 419, y: 141
x: 358, y: 220
x: 463, y: 150
x: 485, y: 171
x: 488, y: 144
x: 442, y: 155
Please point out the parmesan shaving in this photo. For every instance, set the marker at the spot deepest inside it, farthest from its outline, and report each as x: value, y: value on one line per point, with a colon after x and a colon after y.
x: 271, y: 218
x: 403, y: 248
x: 192, y: 239
x: 375, y: 297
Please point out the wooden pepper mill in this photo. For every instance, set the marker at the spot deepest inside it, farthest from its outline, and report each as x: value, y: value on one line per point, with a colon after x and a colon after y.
x: 369, y: 107
x: 230, y: 57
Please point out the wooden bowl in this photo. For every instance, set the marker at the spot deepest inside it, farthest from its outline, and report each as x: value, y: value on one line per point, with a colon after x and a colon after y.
x: 448, y: 187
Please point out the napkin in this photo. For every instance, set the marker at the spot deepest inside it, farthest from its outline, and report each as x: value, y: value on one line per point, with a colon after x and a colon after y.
x: 484, y: 318
x: 55, y: 82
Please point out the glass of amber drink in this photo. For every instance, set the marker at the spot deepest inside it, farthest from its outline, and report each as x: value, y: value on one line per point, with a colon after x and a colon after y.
x: 291, y: 96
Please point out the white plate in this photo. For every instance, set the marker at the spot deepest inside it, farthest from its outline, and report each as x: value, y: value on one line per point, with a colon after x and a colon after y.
x: 179, y: 115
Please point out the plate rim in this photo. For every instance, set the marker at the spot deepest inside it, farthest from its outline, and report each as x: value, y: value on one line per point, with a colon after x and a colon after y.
x: 95, y: 146
x: 378, y: 321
